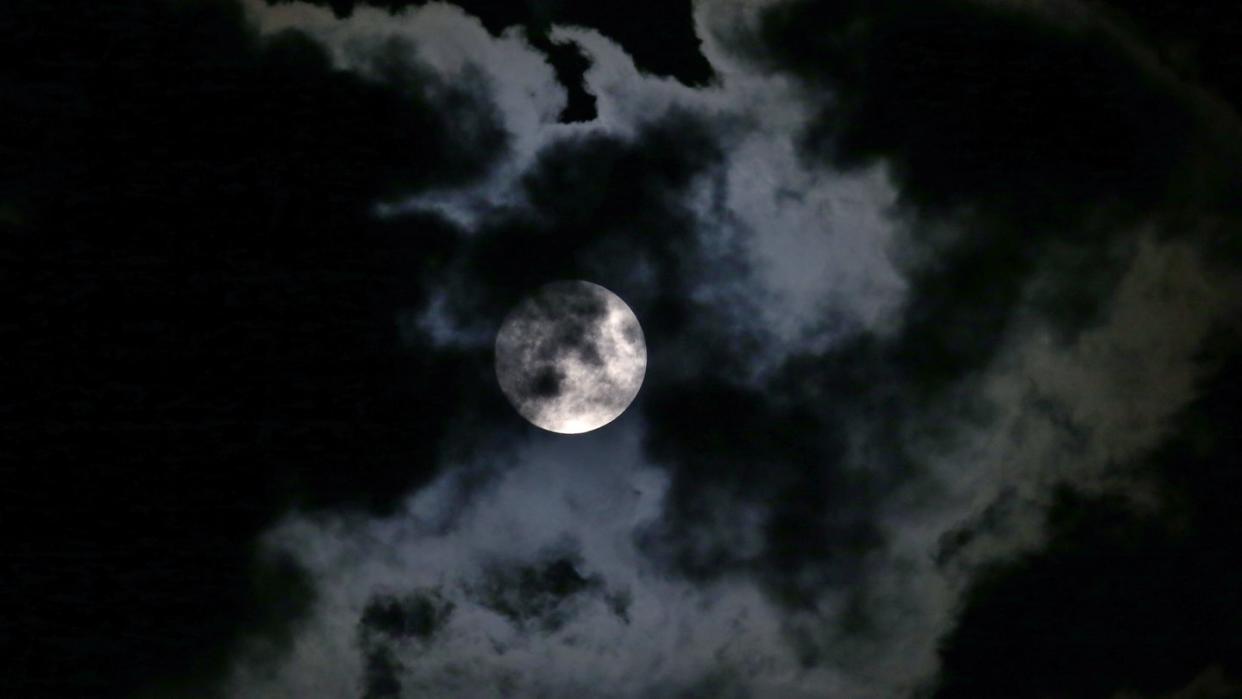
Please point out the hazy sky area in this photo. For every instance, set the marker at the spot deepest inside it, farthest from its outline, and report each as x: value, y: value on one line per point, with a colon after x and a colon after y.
x: 941, y: 309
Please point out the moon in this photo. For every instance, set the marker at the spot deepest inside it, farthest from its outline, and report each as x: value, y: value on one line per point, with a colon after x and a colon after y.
x: 571, y: 357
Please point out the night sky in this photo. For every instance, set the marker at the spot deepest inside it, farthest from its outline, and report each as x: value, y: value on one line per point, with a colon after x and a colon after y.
x: 942, y: 302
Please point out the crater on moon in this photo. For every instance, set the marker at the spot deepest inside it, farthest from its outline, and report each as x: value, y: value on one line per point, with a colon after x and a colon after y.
x: 571, y: 357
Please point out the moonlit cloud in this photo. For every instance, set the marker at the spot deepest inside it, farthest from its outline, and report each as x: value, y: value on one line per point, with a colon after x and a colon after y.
x: 532, y: 571
x: 636, y: 631
x: 639, y: 630
x: 940, y: 303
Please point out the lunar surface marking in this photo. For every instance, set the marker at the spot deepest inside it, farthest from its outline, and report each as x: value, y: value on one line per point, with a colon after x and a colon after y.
x: 571, y: 357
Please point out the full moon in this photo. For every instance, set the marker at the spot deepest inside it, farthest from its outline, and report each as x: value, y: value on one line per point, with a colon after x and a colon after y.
x: 571, y: 357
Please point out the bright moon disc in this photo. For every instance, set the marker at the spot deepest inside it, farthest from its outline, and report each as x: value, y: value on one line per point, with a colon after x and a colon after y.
x: 571, y: 357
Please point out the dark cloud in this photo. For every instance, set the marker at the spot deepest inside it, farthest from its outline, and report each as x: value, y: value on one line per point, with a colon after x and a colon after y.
x: 657, y: 33
x: 1043, y: 141
x: 209, y: 336
x: 1056, y: 139
x: 733, y: 449
x: 540, y: 595
x: 984, y: 105
x: 1004, y: 93
x: 603, y: 208
x: 389, y: 620
x: 419, y: 616
x: 206, y: 328
x: 1120, y: 600
x: 383, y: 675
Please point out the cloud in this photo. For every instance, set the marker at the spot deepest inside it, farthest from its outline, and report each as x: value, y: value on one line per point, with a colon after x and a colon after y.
x: 547, y: 591
x: 206, y: 332
x: 559, y: 575
x: 942, y: 340
x: 873, y: 363
x: 1002, y: 111
x: 660, y: 35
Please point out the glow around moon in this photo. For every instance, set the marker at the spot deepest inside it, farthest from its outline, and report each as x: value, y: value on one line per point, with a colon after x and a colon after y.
x: 571, y: 357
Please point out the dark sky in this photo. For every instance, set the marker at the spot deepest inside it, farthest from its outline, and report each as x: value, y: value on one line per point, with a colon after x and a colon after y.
x: 941, y: 302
